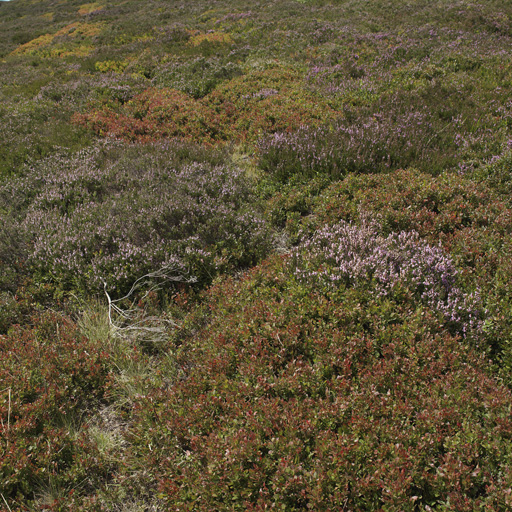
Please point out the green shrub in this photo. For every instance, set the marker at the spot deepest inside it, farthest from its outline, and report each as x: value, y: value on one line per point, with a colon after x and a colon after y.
x: 51, y: 378
x: 299, y: 398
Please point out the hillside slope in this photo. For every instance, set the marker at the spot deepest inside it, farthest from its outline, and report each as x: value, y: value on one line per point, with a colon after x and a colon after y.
x: 255, y: 255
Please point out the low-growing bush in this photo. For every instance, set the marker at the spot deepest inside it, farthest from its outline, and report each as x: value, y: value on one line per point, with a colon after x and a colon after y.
x: 379, y: 143
x: 411, y: 200
x: 497, y: 174
x: 398, y: 121
x: 301, y: 398
x: 152, y: 115
x: 357, y: 255
x: 470, y: 220
x: 52, y: 379
x: 197, y: 77
x: 90, y: 218
x: 32, y: 131
x: 238, y: 109
x: 64, y: 42
x: 13, y: 253
x: 267, y: 101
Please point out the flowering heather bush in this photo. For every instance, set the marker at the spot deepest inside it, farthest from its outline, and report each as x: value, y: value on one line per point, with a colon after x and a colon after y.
x: 419, y: 100
x: 470, y: 220
x: 350, y: 255
x: 375, y: 144
x: 13, y: 253
x: 93, y: 216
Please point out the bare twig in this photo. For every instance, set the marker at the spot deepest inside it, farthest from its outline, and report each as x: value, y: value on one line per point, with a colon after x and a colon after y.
x: 9, y: 412
x: 6, y: 504
x: 123, y: 321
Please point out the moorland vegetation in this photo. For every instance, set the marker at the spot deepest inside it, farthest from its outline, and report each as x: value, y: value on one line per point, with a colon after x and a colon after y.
x: 255, y: 255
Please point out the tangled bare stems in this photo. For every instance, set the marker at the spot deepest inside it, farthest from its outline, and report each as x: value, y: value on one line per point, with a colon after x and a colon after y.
x: 129, y: 321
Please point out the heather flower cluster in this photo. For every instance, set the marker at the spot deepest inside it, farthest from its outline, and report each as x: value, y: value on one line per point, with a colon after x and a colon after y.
x: 116, y: 220
x: 376, y: 143
x: 355, y: 255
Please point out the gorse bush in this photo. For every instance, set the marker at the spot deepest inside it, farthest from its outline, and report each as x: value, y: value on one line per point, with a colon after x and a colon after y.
x: 90, y: 221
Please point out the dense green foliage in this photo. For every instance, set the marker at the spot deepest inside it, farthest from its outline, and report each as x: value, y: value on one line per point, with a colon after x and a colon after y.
x: 255, y: 255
